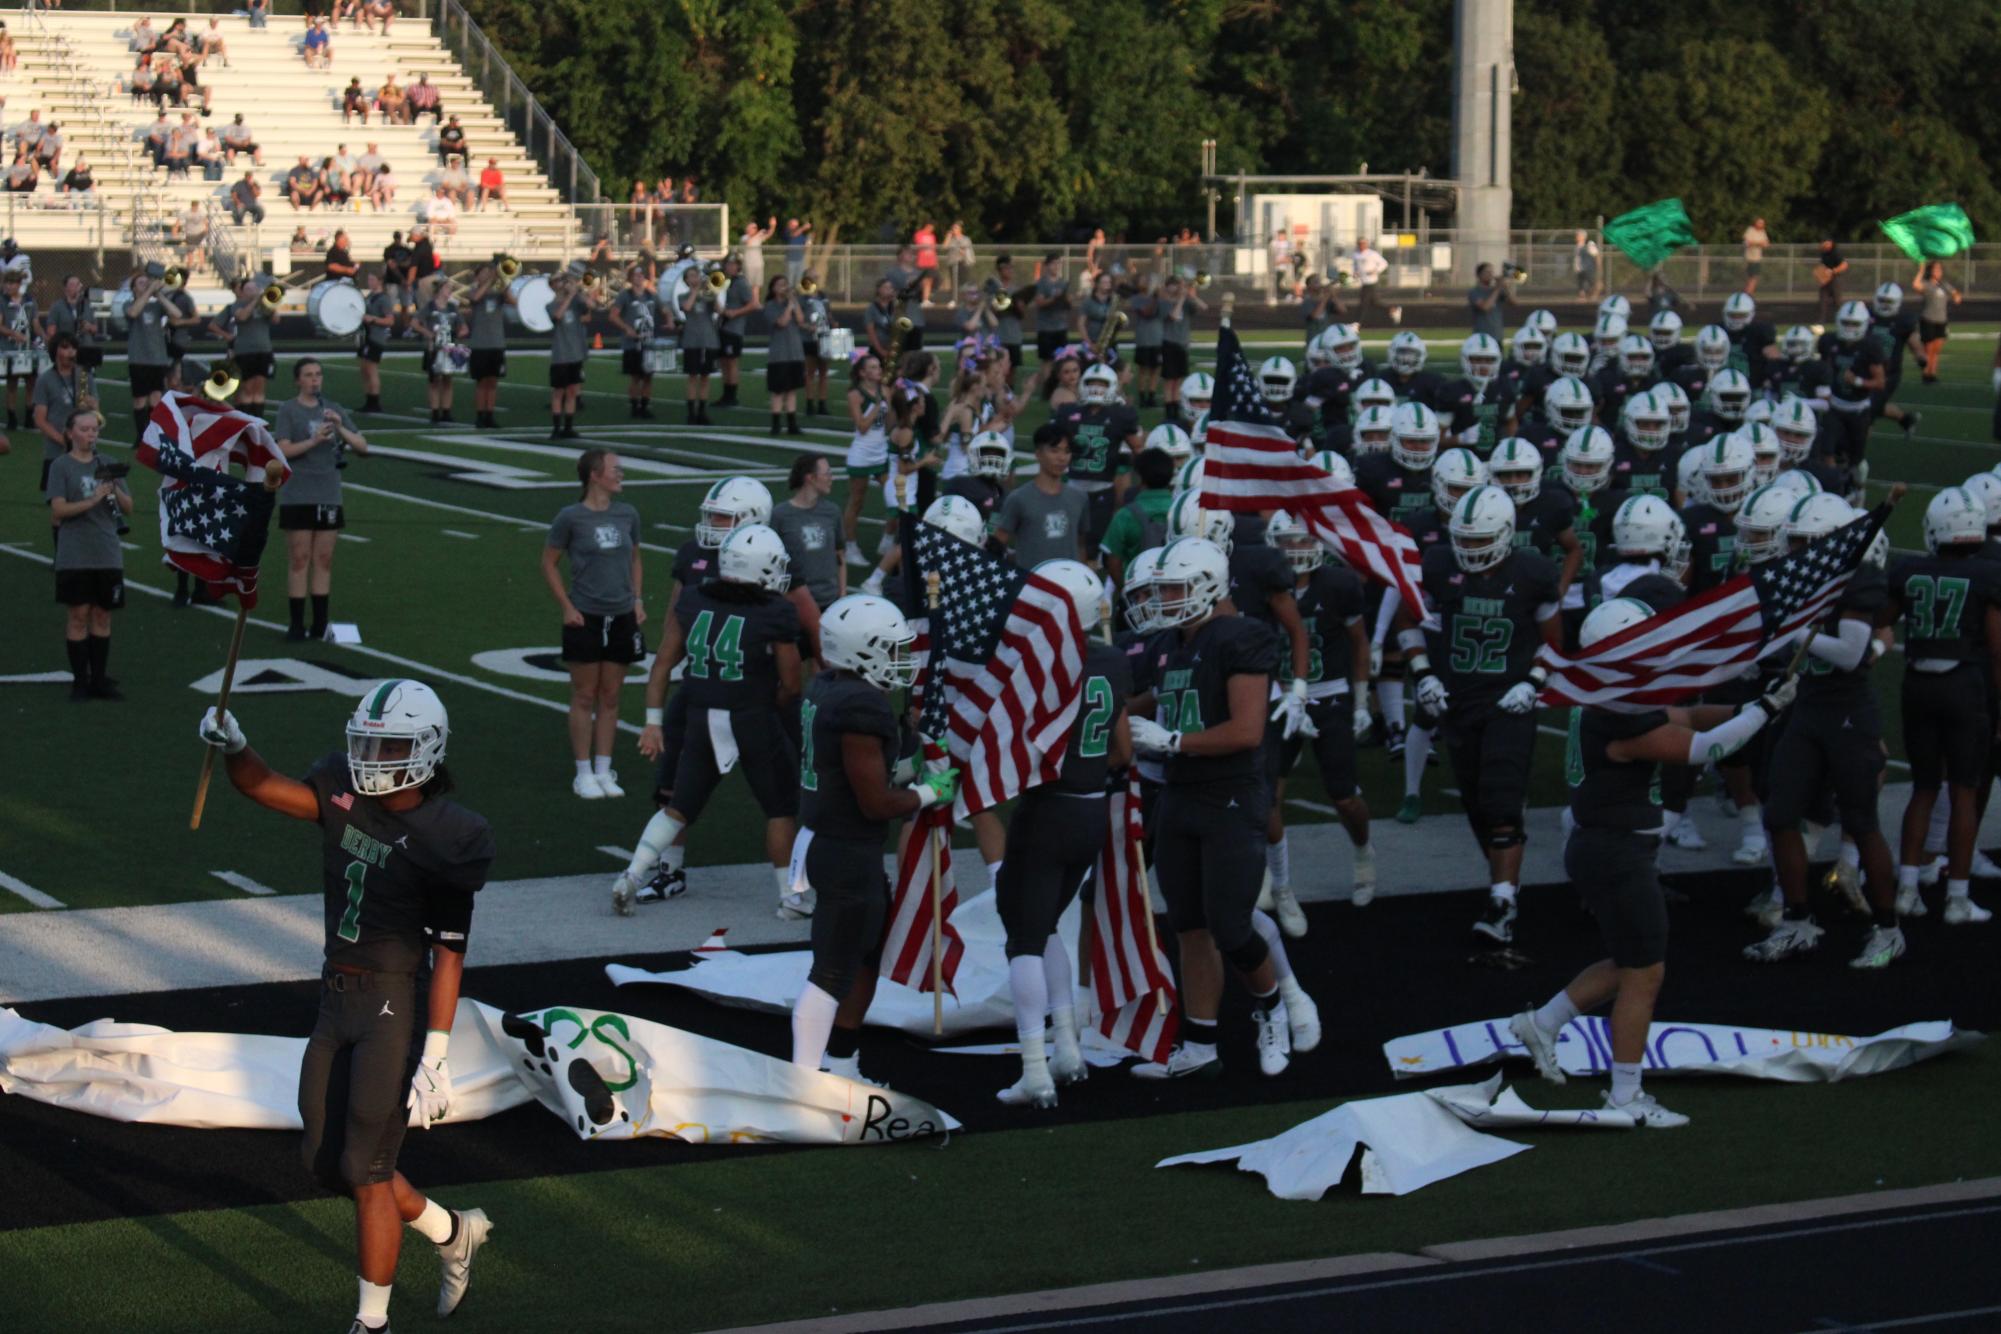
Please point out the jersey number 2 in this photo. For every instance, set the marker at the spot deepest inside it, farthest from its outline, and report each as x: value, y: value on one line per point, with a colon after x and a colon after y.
x: 350, y: 921
x: 1100, y: 708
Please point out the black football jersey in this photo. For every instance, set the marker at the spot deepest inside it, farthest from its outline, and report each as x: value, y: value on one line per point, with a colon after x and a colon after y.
x: 1428, y: 528
x: 1704, y: 426
x: 1098, y: 434
x: 395, y: 883
x: 1107, y: 686
x: 837, y: 703
x: 693, y: 563
x: 1423, y: 387
x: 1397, y: 492
x: 1257, y: 573
x: 1606, y: 793
x: 1643, y: 472
x: 1140, y: 657
x: 1893, y: 339
x: 1529, y: 381
x: 1476, y: 418
x: 1858, y: 358
x: 1834, y: 477
x: 1712, y: 546
x: 1692, y: 378
x: 1329, y: 602
x: 1541, y: 524
x: 1652, y: 587
x: 1487, y: 633
x: 729, y: 631
x: 1330, y: 391
x: 1747, y: 350
x: 1610, y: 389
x: 1804, y: 378
x: 984, y: 492
x: 1668, y: 362
x: 1943, y: 602
x: 1192, y: 694
x: 1822, y: 683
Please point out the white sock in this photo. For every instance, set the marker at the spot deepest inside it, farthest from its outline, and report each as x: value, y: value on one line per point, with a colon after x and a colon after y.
x: 1289, y: 989
x: 656, y: 844
x: 1056, y: 976
x: 1625, y: 1083
x: 1504, y: 890
x: 1416, y: 753
x: 1559, y: 1011
x: 1752, y: 818
x: 1389, y: 696
x: 601, y: 765
x: 1274, y: 942
x: 1907, y: 877
x: 583, y: 768
x: 993, y: 876
x: 1958, y: 889
x: 782, y: 876
x: 434, y: 1224
x: 1935, y: 831
x: 812, y: 1023
x: 1030, y: 990
x: 374, y: 1310
x: 1851, y: 856
x: 1278, y: 860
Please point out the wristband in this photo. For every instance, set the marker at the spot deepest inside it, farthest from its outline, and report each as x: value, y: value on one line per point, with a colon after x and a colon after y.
x: 1538, y: 675
x: 1420, y: 664
x: 656, y: 717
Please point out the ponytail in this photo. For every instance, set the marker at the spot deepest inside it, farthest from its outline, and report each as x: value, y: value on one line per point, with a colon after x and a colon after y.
x: 588, y: 463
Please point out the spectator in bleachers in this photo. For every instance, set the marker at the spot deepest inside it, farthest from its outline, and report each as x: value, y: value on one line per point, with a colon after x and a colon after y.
x: 347, y: 168
x: 212, y: 44
x: 393, y: 102
x: 333, y: 186
x: 156, y: 139
x: 29, y: 132
x: 9, y: 58
x: 49, y: 149
x: 236, y: 139
x: 377, y: 11
x: 440, y: 213
x: 370, y: 165
x: 455, y: 183
x: 243, y: 198
x: 21, y: 177
x: 492, y: 184
x: 354, y: 101
x: 168, y: 85
x: 347, y: 9
x: 382, y: 188
x: 451, y: 140
x: 260, y: 13
x: 79, y: 181
x: 143, y: 38
x: 424, y: 98
x: 302, y: 185
x: 142, y: 83
x: 192, y: 229
x: 208, y: 154
x: 174, y: 41
x: 318, y: 45
x: 181, y: 145
x: 301, y: 244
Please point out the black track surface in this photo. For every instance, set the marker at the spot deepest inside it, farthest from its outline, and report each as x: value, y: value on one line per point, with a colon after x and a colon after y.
x: 1398, y: 966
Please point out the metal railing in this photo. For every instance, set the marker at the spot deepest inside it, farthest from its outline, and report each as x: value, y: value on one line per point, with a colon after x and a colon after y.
x: 515, y: 104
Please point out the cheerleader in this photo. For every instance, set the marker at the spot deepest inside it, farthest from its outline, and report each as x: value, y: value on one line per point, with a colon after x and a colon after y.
x: 964, y: 414
x: 868, y: 450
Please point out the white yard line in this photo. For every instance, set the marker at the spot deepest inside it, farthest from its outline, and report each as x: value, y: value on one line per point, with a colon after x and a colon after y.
x: 622, y: 854
x: 353, y: 537
x: 243, y: 882
x: 453, y: 532
x: 28, y: 892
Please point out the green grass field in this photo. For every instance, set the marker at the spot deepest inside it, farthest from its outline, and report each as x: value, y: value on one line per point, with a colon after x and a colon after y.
x: 439, y: 568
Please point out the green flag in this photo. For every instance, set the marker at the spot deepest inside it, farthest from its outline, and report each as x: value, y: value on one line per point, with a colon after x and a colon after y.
x: 1651, y: 233
x: 1932, y: 232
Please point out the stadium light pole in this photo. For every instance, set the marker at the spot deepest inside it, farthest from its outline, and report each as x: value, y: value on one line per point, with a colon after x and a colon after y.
x: 1209, y: 184
x: 1483, y: 53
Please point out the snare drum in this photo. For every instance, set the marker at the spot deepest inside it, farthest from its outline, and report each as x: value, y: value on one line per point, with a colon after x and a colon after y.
x: 532, y: 299
x: 837, y: 345
x: 336, y: 308
x: 662, y: 356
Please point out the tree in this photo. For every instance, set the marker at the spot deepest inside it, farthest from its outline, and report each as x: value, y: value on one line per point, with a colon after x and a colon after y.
x: 1567, y: 146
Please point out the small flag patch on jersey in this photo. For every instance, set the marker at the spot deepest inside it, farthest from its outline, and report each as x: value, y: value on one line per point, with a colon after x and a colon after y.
x: 344, y: 800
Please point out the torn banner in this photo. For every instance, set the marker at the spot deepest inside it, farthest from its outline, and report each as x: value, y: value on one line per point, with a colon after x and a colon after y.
x: 1584, y: 1047
x: 607, y: 1076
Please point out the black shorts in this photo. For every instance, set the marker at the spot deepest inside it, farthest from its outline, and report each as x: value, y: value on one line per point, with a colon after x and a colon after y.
x: 673, y: 735
x: 1845, y: 435
x: 784, y: 377
x: 852, y: 894
x: 1613, y: 870
x: 1491, y: 753
x: 632, y: 364
x: 1013, y: 354
x: 563, y: 374
x: 145, y: 379
x: 1147, y: 358
x: 370, y: 352
x: 1209, y: 849
x: 1333, y: 749
x: 766, y: 757
x: 1048, y: 344
x: 1174, y: 361
x: 311, y: 518
x: 103, y: 589
x: 1946, y: 726
x: 1826, y: 747
x: 1753, y: 267
x: 93, y: 357
x: 698, y: 361
x: 732, y: 345
x: 604, y: 639
x: 1929, y: 332
x: 1053, y: 841
x: 1099, y: 507
x: 487, y: 363
x: 354, y: 1081
x: 256, y: 365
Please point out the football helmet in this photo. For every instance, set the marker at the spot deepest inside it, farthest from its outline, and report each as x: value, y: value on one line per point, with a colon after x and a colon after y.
x: 1676, y: 399
x: 1516, y: 467
x: 1798, y: 343
x: 1729, y: 394
x: 1648, y: 526
x: 1456, y: 472
x: 1138, y: 590
x: 1795, y: 484
x: 1587, y: 459
x: 1851, y: 321
x: 1170, y: 440
x: 1664, y: 330
x: 1760, y: 412
x: 1606, y: 334
x: 1276, y: 378
x: 1954, y: 515
x: 1738, y: 311
x: 1766, y: 454
x: 1483, y: 529
x: 1797, y: 426
x: 1985, y: 487
x: 1317, y: 355
x: 1645, y: 422
x: 1374, y: 392
x: 1712, y: 347
x: 1192, y: 577
x: 1615, y: 305
x: 1344, y: 345
x: 754, y: 554
x: 869, y: 637
x: 1413, y: 435
x: 731, y: 503
x: 1570, y: 354
x: 1542, y: 321
x: 1336, y: 467
x: 1480, y: 359
x: 1189, y: 478
x: 1888, y: 302
x: 1608, y: 618
x: 1302, y: 550
x: 1761, y: 522
x: 1187, y: 518
x: 1086, y: 590
x: 1407, y: 353
x: 1197, y: 391
x: 1728, y: 465
x: 396, y: 737
x: 1098, y: 385
x: 1688, y: 476
x: 991, y: 455
x: 1530, y: 345
x: 958, y: 516
x: 1636, y: 356
x: 1817, y: 516
x: 1567, y: 404
x: 1372, y: 432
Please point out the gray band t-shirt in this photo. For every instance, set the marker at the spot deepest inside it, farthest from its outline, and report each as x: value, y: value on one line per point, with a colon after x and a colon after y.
x: 785, y: 341
x: 812, y: 539
x: 1055, y: 317
x: 599, y: 544
x: 488, y: 321
x: 381, y: 306
x: 566, y: 340
x: 146, y: 342
x: 1042, y: 527
x: 86, y: 541
x: 59, y: 394
x: 314, y: 480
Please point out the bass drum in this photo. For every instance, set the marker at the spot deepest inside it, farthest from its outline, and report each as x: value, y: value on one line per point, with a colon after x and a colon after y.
x: 532, y: 298
x: 336, y: 308
x: 837, y: 345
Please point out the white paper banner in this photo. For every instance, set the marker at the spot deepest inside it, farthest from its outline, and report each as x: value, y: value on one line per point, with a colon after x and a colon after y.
x: 1584, y: 1047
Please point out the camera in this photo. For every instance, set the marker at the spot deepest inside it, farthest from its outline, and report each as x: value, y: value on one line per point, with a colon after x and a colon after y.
x: 1512, y: 272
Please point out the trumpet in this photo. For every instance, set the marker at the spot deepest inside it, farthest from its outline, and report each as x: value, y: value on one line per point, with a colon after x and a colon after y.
x: 273, y: 295
x: 719, y: 283
x: 174, y: 279
x: 508, y: 267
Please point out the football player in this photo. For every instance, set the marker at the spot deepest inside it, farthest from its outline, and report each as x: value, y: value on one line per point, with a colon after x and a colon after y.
x: 1645, y: 462
x: 1278, y: 385
x: 1405, y: 374
x: 1480, y: 406
x: 1857, y: 374
x: 1753, y: 345
x: 1566, y: 408
x: 1670, y: 353
x: 1712, y: 354
x: 1490, y: 607
x: 1197, y: 392
x: 1329, y: 388
x: 1896, y: 332
x: 1800, y: 371
x: 984, y: 484
x: 1456, y: 472
x: 400, y: 866
x: 1545, y: 519
x: 1104, y: 435
x: 1606, y: 335
x: 1678, y: 408
x: 1723, y: 406
x: 1586, y: 470
x: 1398, y: 484
x: 1527, y: 371
x: 1629, y: 373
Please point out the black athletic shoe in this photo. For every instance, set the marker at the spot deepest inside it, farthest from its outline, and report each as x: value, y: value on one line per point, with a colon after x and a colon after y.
x: 1497, y: 923
x: 105, y: 688
x: 665, y: 884
x: 78, y: 692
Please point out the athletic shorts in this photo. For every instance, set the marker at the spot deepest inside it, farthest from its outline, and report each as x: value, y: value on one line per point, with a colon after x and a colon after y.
x: 1053, y: 841
x: 1209, y: 848
x: 1333, y: 749
x: 354, y: 1081
x: 311, y: 518
x: 784, y: 377
x: 1827, y: 747
x: 632, y: 364
x: 1147, y: 358
x: 1946, y: 726
x: 732, y: 345
x: 868, y: 458
x: 1013, y: 354
x: 563, y: 374
x: 1174, y: 361
x: 673, y: 735
x: 766, y: 758
x: 487, y: 363
x: 1753, y: 267
x: 145, y: 379
x: 102, y: 589
x: 256, y: 365
x: 370, y: 352
x: 604, y: 639
x: 1930, y: 332
x: 852, y: 899
x: 698, y: 361
x: 1845, y: 434
x: 1099, y: 507
x: 1048, y: 344
x: 1491, y: 752
x: 1613, y: 870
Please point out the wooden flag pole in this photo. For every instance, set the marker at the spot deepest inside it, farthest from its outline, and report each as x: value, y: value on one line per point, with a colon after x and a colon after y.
x: 221, y: 707
x: 940, y: 849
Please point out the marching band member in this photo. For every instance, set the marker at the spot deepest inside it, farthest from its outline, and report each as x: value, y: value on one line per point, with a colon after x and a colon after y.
x: 701, y: 341
x: 819, y: 319
x: 246, y: 327
x: 1007, y: 322
x: 439, y: 324
x: 785, y: 364
x: 486, y: 321
x: 738, y: 300
x: 570, y: 308
x: 314, y: 434
x: 637, y: 317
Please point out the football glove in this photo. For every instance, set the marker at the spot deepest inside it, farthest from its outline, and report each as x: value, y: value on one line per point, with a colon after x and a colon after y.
x: 1290, y: 711
x: 222, y: 732
x: 1431, y: 693
x: 1363, y: 722
x: 937, y: 789
x: 1775, y: 699
x: 431, y: 1086
x: 1150, y: 738
x: 1520, y: 698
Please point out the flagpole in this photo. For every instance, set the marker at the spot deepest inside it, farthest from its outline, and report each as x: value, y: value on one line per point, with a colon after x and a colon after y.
x: 939, y: 850
x: 1897, y: 492
x: 221, y: 708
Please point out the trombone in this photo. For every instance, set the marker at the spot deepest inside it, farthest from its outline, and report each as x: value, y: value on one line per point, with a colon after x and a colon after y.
x: 174, y: 279
x: 271, y: 298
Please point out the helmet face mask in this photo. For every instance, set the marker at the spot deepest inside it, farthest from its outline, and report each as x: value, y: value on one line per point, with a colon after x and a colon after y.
x: 1851, y: 321
x: 1301, y: 549
x: 1611, y: 331
x: 1141, y: 611
x: 754, y: 554
x: 396, y: 737
x: 1760, y: 524
x: 1407, y: 353
x: 1198, y: 390
x: 1636, y: 357
x: 1664, y: 330
x: 1482, y: 529
x: 1798, y: 343
x: 992, y: 456
x: 1676, y: 399
x: 1516, y: 468
x: 1480, y: 360
x: 1888, y: 301
x: 1192, y: 577
x: 1796, y: 427
x: 1646, y: 422
x: 1276, y: 380
x: 1587, y: 460
x: 1414, y: 436
x: 1738, y: 311
x: 1456, y: 472
x: 1372, y: 432
x: 1729, y: 395
x: 1712, y: 348
x: 1098, y: 386
x: 1344, y: 346
x: 1570, y: 354
x: 1374, y: 393
x: 1567, y: 404
x: 1530, y: 345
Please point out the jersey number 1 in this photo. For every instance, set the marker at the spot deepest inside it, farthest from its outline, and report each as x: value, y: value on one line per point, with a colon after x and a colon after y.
x: 350, y: 921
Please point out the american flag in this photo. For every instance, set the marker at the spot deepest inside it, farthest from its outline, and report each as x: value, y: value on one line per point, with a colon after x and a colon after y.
x: 212, y: 525
x: 1709, y: 639
x: 1250, y: 463
x: 1004, y: 668
x: 1135, y: 989
x: 906, y: 930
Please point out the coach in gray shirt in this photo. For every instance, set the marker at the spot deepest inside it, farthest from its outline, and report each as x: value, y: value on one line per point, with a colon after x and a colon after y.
x: 314, y: 434
x: 1045, y: 519
x: 810, y: 527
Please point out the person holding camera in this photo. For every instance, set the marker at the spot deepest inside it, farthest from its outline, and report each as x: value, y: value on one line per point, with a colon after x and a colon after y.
x: 88, y: 501
x: 1488, y: 297
x: 314, y: 434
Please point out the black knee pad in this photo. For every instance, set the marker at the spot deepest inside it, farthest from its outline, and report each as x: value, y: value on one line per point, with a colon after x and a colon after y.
x: 1503, y: 834
x: 1247, y: 955
x: 836, y: 982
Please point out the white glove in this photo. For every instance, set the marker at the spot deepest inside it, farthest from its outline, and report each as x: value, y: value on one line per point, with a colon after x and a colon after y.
x: 1150, y: 738
x: 1375, y: 661
x: 431, y: 1086
x: 1519, y: 699
x: 1431, y: 693
x: 222, y: 733
x: 1775, y: 700
x: 1291, y: 710
x: 1363, y: 722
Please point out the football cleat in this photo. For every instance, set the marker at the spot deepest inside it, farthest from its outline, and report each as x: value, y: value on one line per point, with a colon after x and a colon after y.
x: 1274, y: 1040
x: 1910, y: 902
x: 796, y: 906
x: 1302, y: 1016
x: 1497, y: 923
x: 623, y: 893
x: 1291, y: 919
x: 1960, y: 910
x: 667, y: 882
x: 1541, y: 1046
x: 1984, y: 867
x: 1066, y: 1061
x: 1180, y: 1065
x: 1365, y: 876
x: 1788, y: 938
x: 849, y: 1067
x: 1683, y: 834
x: 358, y: 1328
x: 587, y: 786
x: 1646, y: 1112
x: 1031, y: 1090
x: 1751, y: 852
x: 455, y: 1258
x: 1411, y: 810
x: 1884, y: 944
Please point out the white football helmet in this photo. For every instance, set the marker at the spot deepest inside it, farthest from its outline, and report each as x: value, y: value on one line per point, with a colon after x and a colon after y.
x: 1372, y: 432
x: 1373, y: 392
x: 992, y: 456
x: 1480, y: 359
x: 1648, y: 526
x: 731, y: 503
x: 1277, y: 377
x: 1456, y: 472
x: 958, y: 516
x: 1197, y: 391
x: 1542, y: 321
x: 1610, y: 617
x: 1172, y: 441
x: 1336, y: 467
x: 1192, y: 577
x: 1795, y: 484
x: 1099, y: 384
x: 1407, y: 353
x: 1344, y: 345
x: 1688, y: 476
x: 869, y: 637
x: 1567, y: 404
x: 396, y: 737
x: 1761, y: 522
x: 1189, y: 478
x: 1570, y: 354
x: 1587, y: 460
x: 1302, y: 550
x: 1664, y: 330
x: 1766, y: 455
x: 1086, y: 590
x: 754, y: 554
x: 1483, y: 529
x: 1712, y: 347
x: 1318, y: 357
x: 1414, y: 435
x: 1798, y: 344
x: 1760, y: 412
x: 1645, y: 422
x: 1738, y: 311
x: 1797, y: 426
x: 1817, y: 516
x: 1606, y: 334
x: 1851, y: 321
x: 1888, y: 302
x: 1729, y: 394
x: 1954, y: 515
x: 1529, y: 346
x: 1985, y: 487
x: 1676, y: 399
x: 1138, y: 590
x: 1516, y: 467
x: 1615, y: 305
x: 1187, y: 518
x: 1636, y: 356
